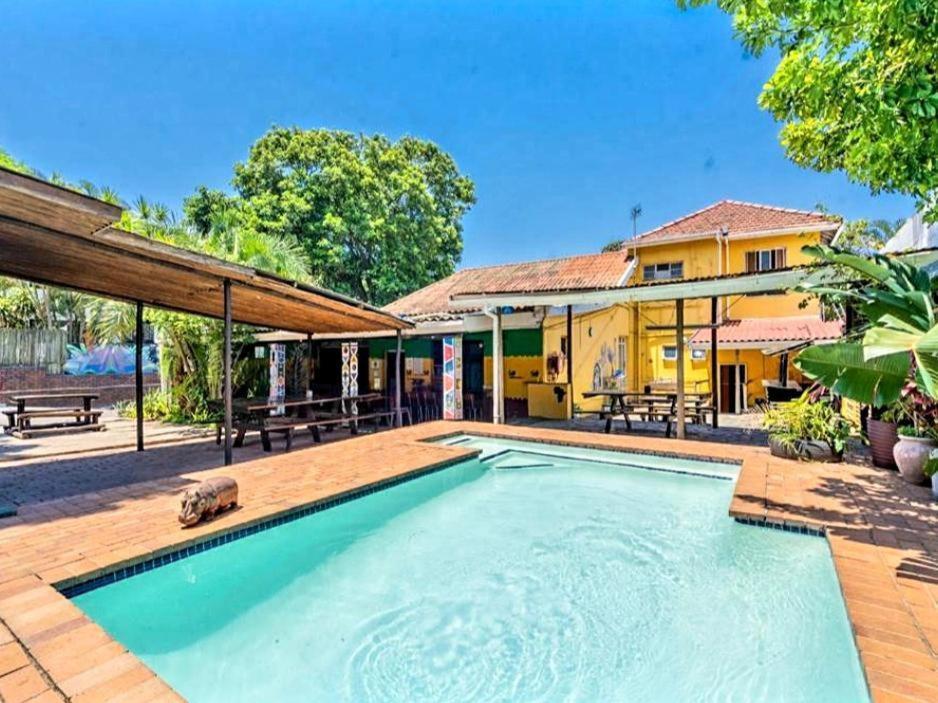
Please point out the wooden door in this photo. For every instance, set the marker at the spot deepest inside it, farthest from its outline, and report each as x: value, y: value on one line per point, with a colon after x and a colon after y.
x: 728, y: 393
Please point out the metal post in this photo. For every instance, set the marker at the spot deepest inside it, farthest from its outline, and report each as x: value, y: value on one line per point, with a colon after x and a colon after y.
x: 138, y: 374
x: 226, y: 386
x: 570, y: 356
x: 714, y: 365
x: 497, y: 368
x: 783, y: 369
x: 397, y: 383
x: 679, y: 309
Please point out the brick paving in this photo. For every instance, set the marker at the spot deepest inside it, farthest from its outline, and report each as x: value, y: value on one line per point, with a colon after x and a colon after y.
x: 883, y: 536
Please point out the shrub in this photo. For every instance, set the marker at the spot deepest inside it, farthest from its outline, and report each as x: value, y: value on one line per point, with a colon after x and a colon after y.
x: 790, y: 424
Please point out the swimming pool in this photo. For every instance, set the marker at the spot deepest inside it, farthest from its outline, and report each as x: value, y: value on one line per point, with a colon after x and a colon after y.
x: 535, y: 572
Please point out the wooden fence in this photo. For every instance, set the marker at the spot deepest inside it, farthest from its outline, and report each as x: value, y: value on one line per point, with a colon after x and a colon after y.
x: 36, y: 348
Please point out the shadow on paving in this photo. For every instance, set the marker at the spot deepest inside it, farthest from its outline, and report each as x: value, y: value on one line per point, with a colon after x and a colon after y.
x: 159, y: 469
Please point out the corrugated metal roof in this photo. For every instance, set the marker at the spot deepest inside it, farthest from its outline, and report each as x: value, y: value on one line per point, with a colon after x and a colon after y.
x: 589, y: 272
x: 771, y: 331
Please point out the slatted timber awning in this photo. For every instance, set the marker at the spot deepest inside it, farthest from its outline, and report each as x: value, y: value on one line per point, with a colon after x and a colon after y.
x: 54, y: 236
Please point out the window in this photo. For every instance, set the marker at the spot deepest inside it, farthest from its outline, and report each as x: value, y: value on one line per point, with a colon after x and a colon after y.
x: 663, y: 272
x: 765, y: 260
x: 669, y: 352
x: 698, y: 354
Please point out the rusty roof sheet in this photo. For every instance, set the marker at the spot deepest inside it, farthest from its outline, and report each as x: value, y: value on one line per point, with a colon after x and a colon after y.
x: 772, y: 330
x: 588, y: 272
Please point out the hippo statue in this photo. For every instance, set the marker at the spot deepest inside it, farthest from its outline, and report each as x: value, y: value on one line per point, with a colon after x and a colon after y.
x: 208, y: 498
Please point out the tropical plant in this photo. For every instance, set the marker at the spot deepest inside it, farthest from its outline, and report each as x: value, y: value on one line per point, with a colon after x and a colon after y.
x: 855, y: 86
x: 897, y: 341
x: 807, y: 419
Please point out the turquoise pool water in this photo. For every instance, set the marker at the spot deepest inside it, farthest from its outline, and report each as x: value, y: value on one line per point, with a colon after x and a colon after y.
x: 536, y: 573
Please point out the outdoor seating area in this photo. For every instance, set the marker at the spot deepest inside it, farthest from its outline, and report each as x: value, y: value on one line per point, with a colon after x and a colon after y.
x: 651, y: 406
x: 287, y: 415
x: 21, y: 420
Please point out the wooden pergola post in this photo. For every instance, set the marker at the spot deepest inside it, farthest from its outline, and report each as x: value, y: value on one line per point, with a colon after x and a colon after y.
x: 570, y: 356
x: 309, y: 364
x: 679, y: 335
x: 138, y: 374
x: 226, y: 383
x: 714, y: 365
x: 397, y: 383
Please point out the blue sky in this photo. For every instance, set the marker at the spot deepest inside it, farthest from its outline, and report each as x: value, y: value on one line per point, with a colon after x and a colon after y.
x: 564, y: 113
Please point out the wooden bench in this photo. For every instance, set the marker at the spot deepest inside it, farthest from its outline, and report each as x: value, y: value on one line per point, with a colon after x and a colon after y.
x: 286, y: 426
x: 85, y: 421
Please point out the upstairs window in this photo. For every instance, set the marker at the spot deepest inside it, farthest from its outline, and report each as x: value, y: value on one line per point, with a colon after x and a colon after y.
x: 663, y: 272
x: 765, y: 260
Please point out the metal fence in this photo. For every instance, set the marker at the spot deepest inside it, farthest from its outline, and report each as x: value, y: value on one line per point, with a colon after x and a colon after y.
x: 36, y: 348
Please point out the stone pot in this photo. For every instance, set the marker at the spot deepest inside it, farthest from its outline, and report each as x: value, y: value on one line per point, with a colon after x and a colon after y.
x: 805, y: 449
x: 911, y: 453
x: 934, y: 486
x: 883, y: 438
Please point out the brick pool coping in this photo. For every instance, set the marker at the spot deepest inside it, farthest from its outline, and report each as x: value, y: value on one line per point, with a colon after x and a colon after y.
x: 882, y: 533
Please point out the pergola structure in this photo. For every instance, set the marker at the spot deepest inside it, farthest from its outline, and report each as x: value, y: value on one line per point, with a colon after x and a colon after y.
x: 713, y: 288
x: 55, y: 236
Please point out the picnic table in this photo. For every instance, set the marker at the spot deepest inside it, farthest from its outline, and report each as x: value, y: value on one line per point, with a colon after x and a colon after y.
x: 84, y: 418
x: 655, y: 406
x: 284, y: 416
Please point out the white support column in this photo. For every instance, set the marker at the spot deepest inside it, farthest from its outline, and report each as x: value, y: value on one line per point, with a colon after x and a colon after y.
x: 498, y: 391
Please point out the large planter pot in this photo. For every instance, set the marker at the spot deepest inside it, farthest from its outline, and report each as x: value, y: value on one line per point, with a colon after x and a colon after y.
x: 883, y: 438
x: 804, y: 450
x: 911, y: 453
x: 934, y: 486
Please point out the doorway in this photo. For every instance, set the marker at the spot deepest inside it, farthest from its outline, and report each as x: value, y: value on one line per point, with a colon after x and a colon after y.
x: 733, y: 383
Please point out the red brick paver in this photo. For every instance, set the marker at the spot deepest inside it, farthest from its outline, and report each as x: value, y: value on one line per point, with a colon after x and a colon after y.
x: 883, y: 536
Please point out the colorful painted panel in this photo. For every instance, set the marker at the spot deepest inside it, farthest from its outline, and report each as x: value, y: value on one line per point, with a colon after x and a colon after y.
x: 350, y: 374
x: 278, y: 381
x: 452, y: 378
x: 109, y: 359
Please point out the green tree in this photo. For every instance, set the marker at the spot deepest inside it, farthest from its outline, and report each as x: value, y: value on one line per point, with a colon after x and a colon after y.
x: 856, y: 86
x: 377, y: 219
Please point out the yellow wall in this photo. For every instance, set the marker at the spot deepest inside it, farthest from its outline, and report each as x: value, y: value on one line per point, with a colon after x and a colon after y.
x: 596, y: 332
x: 595, y: 349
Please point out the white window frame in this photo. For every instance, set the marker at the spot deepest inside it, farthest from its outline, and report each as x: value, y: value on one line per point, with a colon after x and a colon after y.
x: 666, y: 271
x: 698, y: 354
x: 666, y: 354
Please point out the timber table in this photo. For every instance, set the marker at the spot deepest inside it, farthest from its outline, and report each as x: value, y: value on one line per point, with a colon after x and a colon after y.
x: 19, y: 421
x: 654, y: 406
x: 264, y: 415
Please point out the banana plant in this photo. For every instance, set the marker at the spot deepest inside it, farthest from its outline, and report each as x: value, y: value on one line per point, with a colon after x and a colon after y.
x: 899, y: 341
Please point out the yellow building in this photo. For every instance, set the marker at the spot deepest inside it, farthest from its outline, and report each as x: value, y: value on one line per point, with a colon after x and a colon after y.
x: 633, y: 344
x: 589, y: 310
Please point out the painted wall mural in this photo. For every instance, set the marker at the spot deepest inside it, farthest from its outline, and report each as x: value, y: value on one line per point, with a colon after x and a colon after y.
x: 109, y: 359
x: 452, y: 378
x: 350, y: 374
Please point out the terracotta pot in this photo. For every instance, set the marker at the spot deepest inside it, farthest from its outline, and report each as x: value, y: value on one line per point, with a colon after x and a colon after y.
x: 805, y: 449
x: 883, y: 438
x: 911, y: 453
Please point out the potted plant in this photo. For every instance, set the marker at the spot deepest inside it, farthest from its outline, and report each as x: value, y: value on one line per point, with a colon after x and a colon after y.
x: 917, y: 436
x: 882, y: 431
x: 807, y: 428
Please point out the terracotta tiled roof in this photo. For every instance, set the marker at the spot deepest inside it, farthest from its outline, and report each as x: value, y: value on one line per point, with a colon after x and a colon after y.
x: 587, y: 272
x: 738, y: 217
x: 771, y: 330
